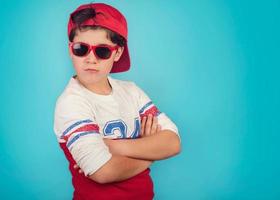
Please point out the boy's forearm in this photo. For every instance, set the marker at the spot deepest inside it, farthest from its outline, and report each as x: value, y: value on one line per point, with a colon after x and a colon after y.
x: 159, y: 146
x: 119, y: 168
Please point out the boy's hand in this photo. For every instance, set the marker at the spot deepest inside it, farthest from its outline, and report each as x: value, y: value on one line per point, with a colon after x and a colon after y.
x: 149, y: 126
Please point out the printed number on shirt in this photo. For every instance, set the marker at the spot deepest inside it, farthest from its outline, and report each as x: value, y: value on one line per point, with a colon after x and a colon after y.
x: 119, y: 128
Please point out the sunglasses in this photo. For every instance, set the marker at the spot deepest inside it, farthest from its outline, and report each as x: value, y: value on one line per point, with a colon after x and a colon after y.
x: 81, y: 49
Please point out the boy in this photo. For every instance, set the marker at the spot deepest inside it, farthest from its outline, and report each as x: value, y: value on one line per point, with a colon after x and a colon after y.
x: 109, y: 127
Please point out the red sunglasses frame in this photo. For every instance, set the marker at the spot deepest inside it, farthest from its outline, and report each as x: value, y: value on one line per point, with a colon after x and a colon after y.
x: 93, y: 47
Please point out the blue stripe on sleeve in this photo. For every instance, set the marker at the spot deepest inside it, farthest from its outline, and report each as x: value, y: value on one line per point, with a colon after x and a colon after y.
x: 74, y: 125
x: 78, y: 136
x: 145, y: 106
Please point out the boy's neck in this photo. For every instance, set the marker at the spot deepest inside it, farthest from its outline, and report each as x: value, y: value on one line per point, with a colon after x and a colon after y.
x: 102, y: 87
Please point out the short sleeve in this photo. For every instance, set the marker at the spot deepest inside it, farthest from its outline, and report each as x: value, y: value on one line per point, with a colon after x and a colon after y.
x: 146, y: 107
x: 74, y: 124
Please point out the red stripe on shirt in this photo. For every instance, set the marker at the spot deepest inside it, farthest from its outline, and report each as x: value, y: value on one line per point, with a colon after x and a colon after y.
x: 153, y: 110
x: 88, y: 127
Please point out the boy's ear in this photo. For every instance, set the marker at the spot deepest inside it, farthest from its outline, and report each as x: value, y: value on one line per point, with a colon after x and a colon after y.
x: 119, y: 53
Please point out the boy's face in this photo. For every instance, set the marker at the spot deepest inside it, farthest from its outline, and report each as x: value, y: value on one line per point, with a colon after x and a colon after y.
x: 91, y: 69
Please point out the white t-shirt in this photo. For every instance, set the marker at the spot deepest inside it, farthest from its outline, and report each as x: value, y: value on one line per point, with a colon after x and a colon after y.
x: 83, y: 118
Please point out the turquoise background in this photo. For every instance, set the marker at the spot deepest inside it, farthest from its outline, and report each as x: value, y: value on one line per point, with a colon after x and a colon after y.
x: 212, y: 66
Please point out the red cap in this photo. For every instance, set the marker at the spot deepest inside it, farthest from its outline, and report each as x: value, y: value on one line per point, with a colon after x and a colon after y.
x: 110, y: 18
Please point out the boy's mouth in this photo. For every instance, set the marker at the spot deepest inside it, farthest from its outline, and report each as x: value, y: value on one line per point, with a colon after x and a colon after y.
x: 91, y: 70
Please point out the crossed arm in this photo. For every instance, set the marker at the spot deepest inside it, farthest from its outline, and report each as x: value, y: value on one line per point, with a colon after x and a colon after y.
x: 132, y: 156
x: 119, y: 168
x: 161, y: 145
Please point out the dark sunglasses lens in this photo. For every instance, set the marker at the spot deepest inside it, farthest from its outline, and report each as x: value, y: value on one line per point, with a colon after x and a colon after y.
x: 80, y: 49
x: 103, y: 52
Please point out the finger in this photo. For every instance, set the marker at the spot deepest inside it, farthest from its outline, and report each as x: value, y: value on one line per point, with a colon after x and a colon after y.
x: 158, y: 127
x: 154, y: 125
x: 76, y: 166
x: 148, y: 125
x: 80, y: 171
x: 143, y: 123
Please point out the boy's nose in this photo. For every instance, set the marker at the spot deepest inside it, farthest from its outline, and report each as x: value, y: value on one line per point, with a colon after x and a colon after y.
x: 91, y: 58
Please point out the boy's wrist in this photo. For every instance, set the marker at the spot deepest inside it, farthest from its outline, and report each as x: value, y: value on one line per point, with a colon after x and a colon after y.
x: 118, y: 147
